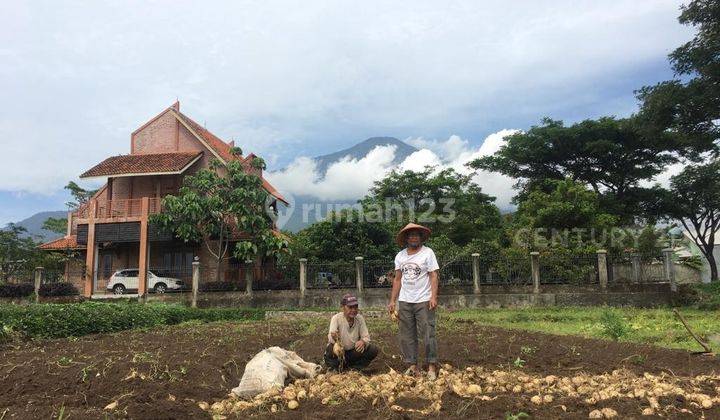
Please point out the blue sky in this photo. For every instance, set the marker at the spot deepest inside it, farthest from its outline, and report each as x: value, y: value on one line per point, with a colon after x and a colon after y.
x: 289, y: 79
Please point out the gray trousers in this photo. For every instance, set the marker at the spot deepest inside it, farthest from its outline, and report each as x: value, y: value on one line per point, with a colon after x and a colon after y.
x: 417, y: 321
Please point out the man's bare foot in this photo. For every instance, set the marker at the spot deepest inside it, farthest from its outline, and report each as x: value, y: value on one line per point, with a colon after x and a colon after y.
x: 432, y: 372
x: 412, y: 370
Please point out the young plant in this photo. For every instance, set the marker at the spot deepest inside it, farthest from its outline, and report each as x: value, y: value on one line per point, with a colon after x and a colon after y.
x: 613, y: 325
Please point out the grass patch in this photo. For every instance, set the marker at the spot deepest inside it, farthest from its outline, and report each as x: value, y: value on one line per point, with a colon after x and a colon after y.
x: 647, y: 326
x: 77, y: 319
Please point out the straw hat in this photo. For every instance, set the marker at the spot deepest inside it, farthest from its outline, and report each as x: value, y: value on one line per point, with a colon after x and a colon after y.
x: 402, y: 235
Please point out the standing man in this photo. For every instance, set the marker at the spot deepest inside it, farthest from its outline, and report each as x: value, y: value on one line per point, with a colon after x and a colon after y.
x: 349, y: 329
x: 414, y: 296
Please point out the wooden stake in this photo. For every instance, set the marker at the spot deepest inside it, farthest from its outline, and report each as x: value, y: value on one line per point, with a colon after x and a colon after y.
x: 687, y: 327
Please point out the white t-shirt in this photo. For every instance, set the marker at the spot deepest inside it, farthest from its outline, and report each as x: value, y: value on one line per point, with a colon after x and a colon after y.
x: 415, y: 268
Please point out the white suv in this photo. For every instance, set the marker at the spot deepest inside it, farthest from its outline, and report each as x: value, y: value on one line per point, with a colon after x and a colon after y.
x: 123, y: 280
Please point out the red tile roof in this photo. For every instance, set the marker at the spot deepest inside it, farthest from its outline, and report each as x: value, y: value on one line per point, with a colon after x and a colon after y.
x: 224, y: 150
x: 142, y: 164
x: 219, y: 146
x: 66, y: 242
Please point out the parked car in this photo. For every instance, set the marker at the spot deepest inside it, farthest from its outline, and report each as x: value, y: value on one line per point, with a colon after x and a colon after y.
x: 123, y: 280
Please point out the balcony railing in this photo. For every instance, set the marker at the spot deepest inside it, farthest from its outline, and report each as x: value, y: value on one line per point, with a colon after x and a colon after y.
x: 128, y: 208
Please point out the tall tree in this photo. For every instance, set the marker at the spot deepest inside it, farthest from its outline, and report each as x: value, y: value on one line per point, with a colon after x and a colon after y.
x: 570, y: 213
x: 80, y: 195
x: 688, y: 108
x: 694, y: 200
x: 343, y: 235
x: 444, y: 200
x: 221, y: 206
x: 16, y: 251
x: 55, y: 224
x: 609, y: 155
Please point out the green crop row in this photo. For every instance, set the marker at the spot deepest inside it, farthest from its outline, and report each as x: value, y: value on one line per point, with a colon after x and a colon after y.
x: 77, y: 319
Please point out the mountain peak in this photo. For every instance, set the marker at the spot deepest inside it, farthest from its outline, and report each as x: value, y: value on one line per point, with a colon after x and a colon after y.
x: 361, y: 149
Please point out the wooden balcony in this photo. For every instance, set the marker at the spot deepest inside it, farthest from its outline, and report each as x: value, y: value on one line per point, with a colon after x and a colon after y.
x: 119, y: 210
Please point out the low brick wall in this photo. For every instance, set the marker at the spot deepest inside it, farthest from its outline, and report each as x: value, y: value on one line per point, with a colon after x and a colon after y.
x: 637, y: 295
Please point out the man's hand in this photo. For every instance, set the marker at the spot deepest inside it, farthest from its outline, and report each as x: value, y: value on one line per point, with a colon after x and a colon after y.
x: 433, y: 303
x: 360, y: 346
x: 334, y: 336
x: 391, y: 307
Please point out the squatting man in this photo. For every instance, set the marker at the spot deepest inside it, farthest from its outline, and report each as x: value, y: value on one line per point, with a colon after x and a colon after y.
x: 414, y: 297
x: 349, y: 344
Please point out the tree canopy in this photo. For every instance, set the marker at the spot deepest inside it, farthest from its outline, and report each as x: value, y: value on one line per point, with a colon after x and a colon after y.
x: 220, y: 206
x: 688, y: 108
x: 609, y: 155
x: 694, y: 200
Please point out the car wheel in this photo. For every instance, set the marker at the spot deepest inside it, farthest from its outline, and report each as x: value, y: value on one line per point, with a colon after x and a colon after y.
x: 119, y: 289
x: 160, y: 288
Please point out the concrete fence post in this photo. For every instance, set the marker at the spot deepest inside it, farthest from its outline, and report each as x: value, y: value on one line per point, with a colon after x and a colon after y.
x: 535, y: 267
x: 359, y: 274
x: 38, y: 282
x: 669, y: 269
x: 249, y: 276
x: 476, y: 272
x: 303, y: 277
x: 195, y: 282
x: 636, y: 268
x: 602, y: 268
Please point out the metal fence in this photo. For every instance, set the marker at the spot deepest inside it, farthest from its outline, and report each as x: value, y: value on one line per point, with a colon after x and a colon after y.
x: 232, y: 277
x: 456, y: 272
x: 331, y: 275
x: 636, y: 268
x: 277, y: 277
x: 378, y: 273
x: 575, y: 269
x: 504, y: 269
x: 509, y: 270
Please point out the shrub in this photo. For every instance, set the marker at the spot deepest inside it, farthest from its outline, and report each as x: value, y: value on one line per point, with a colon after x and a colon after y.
x: 16, y: 290
x: 58, y: 289
x: 613, y: 325
x: 701, y: 296
x: 76, y: 319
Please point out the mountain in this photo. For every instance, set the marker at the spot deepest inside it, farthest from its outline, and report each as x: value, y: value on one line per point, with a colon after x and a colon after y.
x: 296, y: 220
x: 361, y: 149
x: 34, y: 223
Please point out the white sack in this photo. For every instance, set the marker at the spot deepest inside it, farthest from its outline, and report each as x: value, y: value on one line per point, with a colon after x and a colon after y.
x: 269, y: 368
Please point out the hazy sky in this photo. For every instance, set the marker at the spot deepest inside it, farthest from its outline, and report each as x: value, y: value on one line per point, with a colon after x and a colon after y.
x: 287, y: 79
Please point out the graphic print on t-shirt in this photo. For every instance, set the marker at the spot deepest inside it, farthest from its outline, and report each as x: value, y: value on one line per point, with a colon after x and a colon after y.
x: 411, y: 272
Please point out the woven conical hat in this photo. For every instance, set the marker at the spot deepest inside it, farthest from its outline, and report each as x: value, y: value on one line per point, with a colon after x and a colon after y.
x: 424, y: 232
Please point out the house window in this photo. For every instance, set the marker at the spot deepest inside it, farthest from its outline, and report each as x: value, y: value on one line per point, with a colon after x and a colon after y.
x: 178, y: 262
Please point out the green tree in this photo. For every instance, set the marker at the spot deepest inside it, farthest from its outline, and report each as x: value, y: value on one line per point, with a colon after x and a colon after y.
x: 55, y: 224
x: 609, y: 155
x: 688, y: 109
x: 446, y: 201
x: 222, y: 205
x: 16, y: 251
x: 342, y: 236
x: 79, y: 194
x: 569, y: 216
x: 694, y: 200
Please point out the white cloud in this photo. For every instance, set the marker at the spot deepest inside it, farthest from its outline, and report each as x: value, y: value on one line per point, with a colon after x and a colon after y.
x: 273, y: 75
x: 346, y: 179
x: 350, y: 179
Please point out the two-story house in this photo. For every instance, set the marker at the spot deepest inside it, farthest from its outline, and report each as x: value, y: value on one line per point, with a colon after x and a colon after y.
x: 111, y: 231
